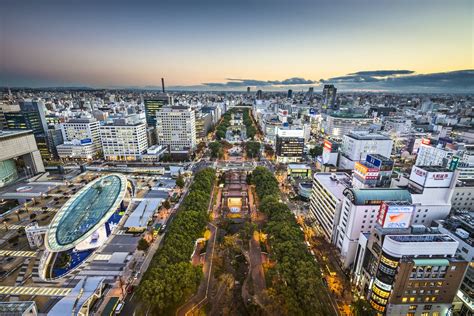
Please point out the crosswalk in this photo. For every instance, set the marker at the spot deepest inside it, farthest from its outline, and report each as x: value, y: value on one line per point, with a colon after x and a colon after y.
x: 17, y: 253
x: 103, y: 257
x: 11, y: 227
x: 40, y: 291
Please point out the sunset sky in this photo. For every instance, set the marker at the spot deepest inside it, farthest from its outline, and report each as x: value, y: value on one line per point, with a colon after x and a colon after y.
x: 206, y: 43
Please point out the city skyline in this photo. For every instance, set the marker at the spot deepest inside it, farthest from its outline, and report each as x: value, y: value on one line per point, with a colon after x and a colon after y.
x: 419, y: 47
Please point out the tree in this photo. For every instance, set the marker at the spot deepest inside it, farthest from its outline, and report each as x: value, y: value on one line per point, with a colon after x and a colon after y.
x: 216, y: 150
x: 295, y: 279
x: 171, y: 278
x: 253, y: 149
x: 166, y: 204
x: 362, y: 308
x: 269, y: 150
x: 143, y: 244
x: 316, y: 151
x: 180, y: 181
x: 200, y: 147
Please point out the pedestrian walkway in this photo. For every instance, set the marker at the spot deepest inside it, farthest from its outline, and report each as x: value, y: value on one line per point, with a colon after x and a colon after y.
x: 41, y: 291
x: 17, y: 253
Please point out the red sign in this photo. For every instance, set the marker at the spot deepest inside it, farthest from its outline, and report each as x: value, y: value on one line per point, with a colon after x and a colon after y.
x: 425, y: 141
x: 327, y: 145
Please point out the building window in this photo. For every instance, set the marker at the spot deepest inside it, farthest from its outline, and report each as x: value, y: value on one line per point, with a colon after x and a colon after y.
x: 404, y: 299
x: 412, y: 307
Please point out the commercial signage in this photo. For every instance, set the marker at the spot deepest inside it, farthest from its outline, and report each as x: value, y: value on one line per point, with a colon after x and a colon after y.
x: 431, y: 179
x: 418, y: 175
x: 366, y: 172
x: 438, y: 179
x: 86, y: 141
x: 327, y: 145
x: 425, y: 141
x: 395, y: 216
x: 373, y: 161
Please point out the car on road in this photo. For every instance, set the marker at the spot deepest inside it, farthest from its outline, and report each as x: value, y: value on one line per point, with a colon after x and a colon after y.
x: 119, y: 308
x: 162, y: 229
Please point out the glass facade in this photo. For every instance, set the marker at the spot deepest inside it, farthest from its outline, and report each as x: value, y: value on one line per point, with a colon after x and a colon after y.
x: 8, y: 172
x: 90, y: 208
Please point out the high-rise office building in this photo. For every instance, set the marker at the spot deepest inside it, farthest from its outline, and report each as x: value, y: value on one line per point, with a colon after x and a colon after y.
x: 412, y: 271
x: 289, y: 94
x: 329, y: 96
x: 259, y: 95
x: 123, y: 139
x: 310, y: 93
x: 289, y: 145
x: 248, y: 90
x: 152, y: 105
x: 176, y: 129
x: 81, y: 139
x: 32, y: 117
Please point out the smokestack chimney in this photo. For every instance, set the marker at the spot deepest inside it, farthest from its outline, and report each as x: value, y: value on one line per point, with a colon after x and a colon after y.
x: 163, y: 84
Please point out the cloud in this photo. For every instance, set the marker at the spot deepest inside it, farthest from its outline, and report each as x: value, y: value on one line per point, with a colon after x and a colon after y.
x: 461, y: 81
x: 383, y: 73
x: 234, y: 83
x: 370, y: 76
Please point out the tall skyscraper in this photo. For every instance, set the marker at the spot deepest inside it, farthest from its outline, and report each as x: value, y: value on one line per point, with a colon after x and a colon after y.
x: 248, y: 90
x: 329, y: 96
x: 310, y: 92
x: 259, y: 95
x: 290, y: 94
x: 32, y: 117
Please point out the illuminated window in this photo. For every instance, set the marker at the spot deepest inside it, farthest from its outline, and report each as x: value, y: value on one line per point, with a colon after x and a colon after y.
x: 412, y: 307
x: 412, y: 299
x: 404, y: 299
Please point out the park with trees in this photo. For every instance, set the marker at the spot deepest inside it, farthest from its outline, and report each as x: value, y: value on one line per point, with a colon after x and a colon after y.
x: 294, y: 282
x: 171, y: 277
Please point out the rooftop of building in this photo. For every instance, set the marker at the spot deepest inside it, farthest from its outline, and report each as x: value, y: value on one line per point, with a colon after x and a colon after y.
x: 82, y: 120
x: 421, y: 238
x: 363, y: 135
x: 465, y: 183
x: 461, y: 220
x: 380, y: 157
x: 13, y: 133
x: 16, y: 308
x: 377, y: 195
x: 349, y: 115
x: 434, y: 168
x: 335, y: 182
x: 298, y: 166
x: 82, y: 214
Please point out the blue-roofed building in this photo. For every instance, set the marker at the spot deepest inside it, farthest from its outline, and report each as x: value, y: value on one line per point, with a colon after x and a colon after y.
x: 83, y: 224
